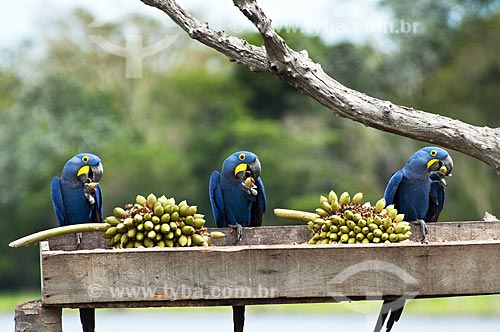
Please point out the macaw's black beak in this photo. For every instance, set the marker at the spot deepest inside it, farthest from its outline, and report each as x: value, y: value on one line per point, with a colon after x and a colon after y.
x: 244, y: 171
x: 88, y: 173
x: 446, y: 166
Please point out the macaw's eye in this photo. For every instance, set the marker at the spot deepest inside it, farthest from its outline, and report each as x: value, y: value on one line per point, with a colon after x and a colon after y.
x: 433, y: 153
x: 85, y: 159
x: 241, y: 156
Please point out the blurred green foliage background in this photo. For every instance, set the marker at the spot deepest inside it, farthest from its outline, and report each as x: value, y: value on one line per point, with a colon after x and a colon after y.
x: 165, y: 132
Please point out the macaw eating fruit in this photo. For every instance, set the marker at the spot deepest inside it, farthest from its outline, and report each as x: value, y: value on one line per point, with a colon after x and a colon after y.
x: 417, y: 190
x: 77, y: 199
x: 238, y: 200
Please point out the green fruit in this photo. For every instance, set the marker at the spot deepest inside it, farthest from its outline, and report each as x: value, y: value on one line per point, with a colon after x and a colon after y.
x: 384, y: 236
x: 393, y: 237
x: 188, y: 220
x: 178, y: 232
x: 197, y: 239
x: 393, y: 214
x: 158, y: 237
x: 138, y: 219
x: 326, y: 206
x: 182, y: 240
x: 165, y: 218
x: 119, y: 212
x: 161, y: 244
x: 148, y: 225
x: 321, y: 212
x: 124, y: 239
x: 140, y: 227
x: 183, y: 210
x: 170, y: 235
x: 132, y: 233
x: 162, y: 200
x: 377, y: 232
x: 360, y: 237
x: 192, y: 210
x: 356, y: 217
x: 351, y: 224
x: 365, y: 241
x: 334, y: 236
x: 332, y: 196
x: 372, y: 227
x: 157, y: 228
x: 351, y: 240
x: 174, y: 216
x: 110, y: 232
x: 390, y: 230
x: 217, y: 235
x: 344, y: 238
x: 151, y: 200
x: 198, y: 223
x: 365, y: 230
x: 141, y: 200
x: 183, y: 203
x: 335, y: 206
x: 169, y: 243
x: 139, y: 236
x: 168, y: 209
x: 148, y: 243
x: 387, y: 223
x: 376, y: 240
x: 155, y: 220
x: 323, y: 199
x: 129, y: 223
x: 357, y: 198
x: 399, y: 218
x: 137, y: 244
x: 352, y: 234
x: 173, y: 226
x: 112, y: 220
x: 377, y: 220
x: 344, y: 229
x: 380, y: 205
x: 187, y: 230
x: 151, y: 235
x: 370, y: 236
x: 357, y: 229
x: 334, y: 229
x: 129, y: 245
x: 121, y: 228
x: 165, y: 228
x: 158, y: 210
x: 116, y: 238
x: 344, y: 198
x: 362, y: 223
x: 147, y: 217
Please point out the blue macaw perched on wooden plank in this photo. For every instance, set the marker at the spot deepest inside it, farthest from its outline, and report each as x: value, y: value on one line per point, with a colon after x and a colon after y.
x: 77, y: 199
x: 238, y: 200
x: 417, y: 190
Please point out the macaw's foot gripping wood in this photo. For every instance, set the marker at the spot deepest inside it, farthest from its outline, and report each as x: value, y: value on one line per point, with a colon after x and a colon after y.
x: 33, y: 317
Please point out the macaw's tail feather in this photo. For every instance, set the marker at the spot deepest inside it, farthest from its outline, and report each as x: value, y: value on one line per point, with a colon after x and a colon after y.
x: 238, y: 318
x: 395, y: 308
x: 87, y: 317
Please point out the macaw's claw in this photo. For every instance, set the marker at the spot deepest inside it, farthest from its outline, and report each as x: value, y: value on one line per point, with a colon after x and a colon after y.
x: 78, y: 239
x: 239, y: 231
x: 423, y: 228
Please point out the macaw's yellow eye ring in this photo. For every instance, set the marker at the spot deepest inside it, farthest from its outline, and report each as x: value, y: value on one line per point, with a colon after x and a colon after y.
x: 85, y: 159
x: 241, y: 156
x: 433, y: 153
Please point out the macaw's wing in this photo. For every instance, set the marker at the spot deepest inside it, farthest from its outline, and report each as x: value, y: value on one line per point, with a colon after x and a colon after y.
x: 392, y: 187
x: 96, y: 212
x: 57, y: 201
x: 436, y: 202
x: 216, y: 199
x: 259, y: 207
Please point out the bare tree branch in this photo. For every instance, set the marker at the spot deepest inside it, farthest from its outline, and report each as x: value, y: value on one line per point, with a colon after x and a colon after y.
x: 298, y: 70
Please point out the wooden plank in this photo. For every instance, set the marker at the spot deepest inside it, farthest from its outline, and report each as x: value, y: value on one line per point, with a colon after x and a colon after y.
x: 268, y: 273
x: 33, y: 317
x: 438, y: 232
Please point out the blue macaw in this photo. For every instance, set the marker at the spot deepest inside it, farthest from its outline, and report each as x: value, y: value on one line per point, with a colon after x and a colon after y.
x: 77, y: 199
x: 418, y: 193
x: 238, y: 200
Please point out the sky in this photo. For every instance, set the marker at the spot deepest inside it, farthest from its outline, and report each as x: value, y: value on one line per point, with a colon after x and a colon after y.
x: 334, y: 20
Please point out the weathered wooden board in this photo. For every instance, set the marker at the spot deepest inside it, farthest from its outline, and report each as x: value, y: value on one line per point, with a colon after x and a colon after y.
x: 33, y: 317
x: 268, y: 268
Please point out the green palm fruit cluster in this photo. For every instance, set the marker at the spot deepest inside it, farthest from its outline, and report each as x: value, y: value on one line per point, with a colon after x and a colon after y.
x: 342, y: 219
x: 157, y: 222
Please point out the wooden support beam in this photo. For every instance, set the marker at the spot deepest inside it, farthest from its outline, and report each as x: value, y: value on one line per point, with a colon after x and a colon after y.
x: 34, y: 317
